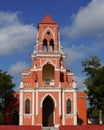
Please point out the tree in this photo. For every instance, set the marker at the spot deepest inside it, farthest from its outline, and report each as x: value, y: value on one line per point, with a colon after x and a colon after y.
x: 94, y: 83
x: 6, y: 92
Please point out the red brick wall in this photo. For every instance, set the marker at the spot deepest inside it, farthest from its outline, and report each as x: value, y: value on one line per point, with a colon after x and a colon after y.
x: 81, y: 107
x: 6, y: 127
x: 84, y: 127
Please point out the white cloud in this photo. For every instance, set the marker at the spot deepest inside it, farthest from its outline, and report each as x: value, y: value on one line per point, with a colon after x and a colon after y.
x: 17, y: 68
x: 74, y: 53
x: 89, y: 21
x: 14, y: 35
x: 80, y: 83
x: 97, y: 47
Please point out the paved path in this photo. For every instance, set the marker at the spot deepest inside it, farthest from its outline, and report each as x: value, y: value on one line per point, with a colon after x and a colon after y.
x: 50, y: 128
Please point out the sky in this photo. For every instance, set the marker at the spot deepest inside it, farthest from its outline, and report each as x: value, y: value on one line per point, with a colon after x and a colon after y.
x: 81, y: 27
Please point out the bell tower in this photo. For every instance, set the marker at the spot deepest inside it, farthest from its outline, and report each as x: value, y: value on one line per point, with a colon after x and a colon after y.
x: 48, y: 40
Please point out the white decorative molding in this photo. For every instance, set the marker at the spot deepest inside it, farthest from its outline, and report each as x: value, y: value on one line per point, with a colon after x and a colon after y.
x: 48, y: 61
x: 63, y: 105
x: 62, y: 69
x: 48, y: 94
x: 36, y: 69
x: 37, y: 85
x: 60, y: 103
x: 37, y: 102
x: 33, y: 108
x: 48, y: 55
x: 75, y: 108
x: 27, y: 90
x: 48, y: 28
x: 70, y: 73
x: 21, y: 108
x: 57, y: 69
x: 21, y: 84
x: 25, y: 73
x: 69, y: 90
x: 49, y: 90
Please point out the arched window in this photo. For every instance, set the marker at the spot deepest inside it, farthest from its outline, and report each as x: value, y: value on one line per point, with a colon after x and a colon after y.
x: 27, y: 106
x: 68, y: 105
x: 45, y: 48
x: 51, y: 45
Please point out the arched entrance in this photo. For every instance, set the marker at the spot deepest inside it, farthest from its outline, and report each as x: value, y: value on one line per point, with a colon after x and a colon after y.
x: 47, y: 112
x: 48, y: 75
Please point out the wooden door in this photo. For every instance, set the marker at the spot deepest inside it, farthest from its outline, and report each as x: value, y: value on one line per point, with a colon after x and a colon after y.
x: 47, y: 112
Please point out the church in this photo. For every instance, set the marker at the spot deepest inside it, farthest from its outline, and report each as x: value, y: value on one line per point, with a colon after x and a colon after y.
x: 48, y: 92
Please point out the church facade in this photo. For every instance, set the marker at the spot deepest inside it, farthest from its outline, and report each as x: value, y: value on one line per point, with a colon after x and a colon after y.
x: 48, y: 92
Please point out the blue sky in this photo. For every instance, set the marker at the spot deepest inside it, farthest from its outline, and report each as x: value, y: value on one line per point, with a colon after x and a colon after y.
x: 81, y: 26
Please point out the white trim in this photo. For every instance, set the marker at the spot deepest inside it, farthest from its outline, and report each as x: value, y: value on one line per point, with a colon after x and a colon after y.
x: 27, y: 115
x: 33, y: 108
x: 21, y: 84
x: 57, y: 125
x: 48, y: 55
x: 48, y: 61
x: 69, y: 90
x: 59, y: 85
x: 48, y: 94
x: 62, y: 69
x: 40, y: 69
x: 57, y: 69
x: 60, y: 103
x: 48, y: 89
x: 21, y: 108
x: 56, y: 43
x: 36, y: 69
x: 70, y: 74
x: 75, y: 108
x: 27, y: 90
x: 37, y: 102
x: 37, y: 85
x: 63, y: 105
x: 40, y: 43
x: 25, y: 73
x: 48, y: 28
x: 27, y: 97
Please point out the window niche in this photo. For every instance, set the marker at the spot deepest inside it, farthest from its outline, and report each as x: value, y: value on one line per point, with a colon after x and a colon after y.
x: 68, y: 106
x: 45, y: 47
x: 27, y: 106
x: 51, y: 45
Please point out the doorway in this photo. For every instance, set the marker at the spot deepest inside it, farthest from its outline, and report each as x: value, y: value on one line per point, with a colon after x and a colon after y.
x: 48, y: 112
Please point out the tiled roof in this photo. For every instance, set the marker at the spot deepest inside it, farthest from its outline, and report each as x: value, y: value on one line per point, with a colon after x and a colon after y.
x: 47, y: 19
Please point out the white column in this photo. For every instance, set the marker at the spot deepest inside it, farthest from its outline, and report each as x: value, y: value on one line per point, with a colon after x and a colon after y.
x: 37, y: 102
x: 63, y: 106
x: 33, y: 108
x: 60, y: 102
x: 21, y: 108
x: 75, y: 107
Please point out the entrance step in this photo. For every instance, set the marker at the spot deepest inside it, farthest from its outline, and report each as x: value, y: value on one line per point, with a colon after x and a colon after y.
x: 50, y: 128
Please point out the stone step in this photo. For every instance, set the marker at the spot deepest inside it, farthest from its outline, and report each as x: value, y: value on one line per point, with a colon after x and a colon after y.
x: 50, y: 128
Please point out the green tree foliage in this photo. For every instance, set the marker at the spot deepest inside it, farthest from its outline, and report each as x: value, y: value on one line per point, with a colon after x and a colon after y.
x: 6, y: 91
x: 94, y: 82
